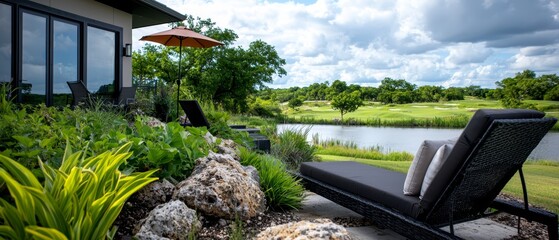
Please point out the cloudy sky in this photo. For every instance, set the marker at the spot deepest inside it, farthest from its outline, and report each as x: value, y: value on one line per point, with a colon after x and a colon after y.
x: 426, y: 42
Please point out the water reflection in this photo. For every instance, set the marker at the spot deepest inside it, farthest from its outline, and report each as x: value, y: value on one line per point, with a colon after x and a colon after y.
x: 408, y: 139
x: 5, y: 43
x: 34, y: 50
x: 65, y: 57
x: 100, y: 60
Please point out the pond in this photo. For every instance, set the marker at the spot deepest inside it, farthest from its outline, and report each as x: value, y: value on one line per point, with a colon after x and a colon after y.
x: 408, y: 139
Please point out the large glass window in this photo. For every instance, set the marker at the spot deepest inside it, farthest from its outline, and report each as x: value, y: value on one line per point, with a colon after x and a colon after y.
x: 5, y: 43
x: 65, y: 60
x: 34, y: 58
x: 101, y: 50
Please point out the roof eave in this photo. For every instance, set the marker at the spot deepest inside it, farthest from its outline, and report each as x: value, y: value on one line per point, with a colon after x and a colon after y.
x: 146, y: 12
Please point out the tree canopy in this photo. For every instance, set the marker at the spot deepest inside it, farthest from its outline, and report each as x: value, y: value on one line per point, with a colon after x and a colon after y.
x: 526, y: 86
x: 346, y: 102
x: 225, y: 75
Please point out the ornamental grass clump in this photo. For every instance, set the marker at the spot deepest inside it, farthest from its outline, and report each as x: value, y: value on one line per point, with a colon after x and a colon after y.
x: 292, y: 148
x: 282, y: 190
x: 79, y: 200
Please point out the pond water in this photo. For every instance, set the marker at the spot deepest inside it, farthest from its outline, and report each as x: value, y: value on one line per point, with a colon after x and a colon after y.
x: 408, y: 139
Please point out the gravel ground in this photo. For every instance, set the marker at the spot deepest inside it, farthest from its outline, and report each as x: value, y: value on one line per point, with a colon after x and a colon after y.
x: 214, y: 228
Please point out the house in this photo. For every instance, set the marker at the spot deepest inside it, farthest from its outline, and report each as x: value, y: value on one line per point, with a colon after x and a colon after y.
x: 46, y: 43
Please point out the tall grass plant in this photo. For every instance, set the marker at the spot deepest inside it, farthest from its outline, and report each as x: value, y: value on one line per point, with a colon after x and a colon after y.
x: 292, y: 148
x: 282, y: 190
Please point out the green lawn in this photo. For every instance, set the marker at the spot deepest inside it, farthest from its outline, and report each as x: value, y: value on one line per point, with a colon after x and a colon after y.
x: 542, y: 179
x: 322, y: 112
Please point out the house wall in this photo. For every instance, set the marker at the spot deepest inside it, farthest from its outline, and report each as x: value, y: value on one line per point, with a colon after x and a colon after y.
x: 103, y: 13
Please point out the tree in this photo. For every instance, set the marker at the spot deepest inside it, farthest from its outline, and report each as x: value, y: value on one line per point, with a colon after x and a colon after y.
x: 428, y: 93
x: 295, y: 103
x: 453, y: 93
x: 369, y: 93
x: 346, y: 102
x: 238, y: 73
x: 389, y: 87
x: 225, y: 75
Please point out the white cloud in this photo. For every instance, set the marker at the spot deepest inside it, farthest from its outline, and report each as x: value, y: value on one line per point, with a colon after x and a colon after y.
x: 541, y: 59
x: 431, y: 42
x: 468, y: 53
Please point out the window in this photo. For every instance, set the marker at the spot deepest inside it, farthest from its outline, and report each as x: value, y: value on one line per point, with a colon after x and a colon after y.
x: 5, y: 43
x: 33, y: 58
x: 101, y: 54
x: 43, y: 48
x: 65, y: 59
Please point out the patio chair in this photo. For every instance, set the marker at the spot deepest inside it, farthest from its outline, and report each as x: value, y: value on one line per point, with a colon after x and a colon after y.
x: 197, y: 118
x: 127, y: 96
x: 490, y: 150
x: 79, y: 92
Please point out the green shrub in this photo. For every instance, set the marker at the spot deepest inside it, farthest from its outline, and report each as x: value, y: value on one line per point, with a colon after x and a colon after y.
x: 292, y: 148
x: 79, y: 200
x: 162, y: 105
x: 168, y: 147
x: 282, y: 190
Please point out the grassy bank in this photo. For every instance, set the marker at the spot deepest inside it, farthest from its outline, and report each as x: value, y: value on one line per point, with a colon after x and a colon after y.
x: 542, y: 178
x: 452, y: 114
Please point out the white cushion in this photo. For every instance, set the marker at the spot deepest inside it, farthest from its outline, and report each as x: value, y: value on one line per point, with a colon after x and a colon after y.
x: 420, y: 163
x: 435, y: 166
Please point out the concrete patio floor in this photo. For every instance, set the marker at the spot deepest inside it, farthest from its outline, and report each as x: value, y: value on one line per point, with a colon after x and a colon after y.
x: 316, y: 206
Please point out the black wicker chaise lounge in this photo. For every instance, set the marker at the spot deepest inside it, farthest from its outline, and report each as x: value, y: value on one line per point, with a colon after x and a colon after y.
x: 197, y: 118
x: 79, y: 92
x: 491, y: 149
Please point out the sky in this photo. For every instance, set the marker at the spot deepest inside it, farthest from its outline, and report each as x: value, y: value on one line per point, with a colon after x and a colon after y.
x: 426, y: 42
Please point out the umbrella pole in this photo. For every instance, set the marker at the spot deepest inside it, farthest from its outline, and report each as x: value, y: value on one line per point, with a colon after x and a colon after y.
x: 179, y: 81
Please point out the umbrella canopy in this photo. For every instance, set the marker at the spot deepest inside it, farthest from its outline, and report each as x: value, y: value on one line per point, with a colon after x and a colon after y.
x: 181, y: 36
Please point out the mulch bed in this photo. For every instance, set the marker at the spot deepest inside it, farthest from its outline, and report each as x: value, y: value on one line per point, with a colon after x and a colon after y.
x: 215, y: 228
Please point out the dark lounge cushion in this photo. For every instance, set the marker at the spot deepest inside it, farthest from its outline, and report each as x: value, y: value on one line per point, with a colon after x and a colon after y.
x: 377, y: 184
x: 471, y: 135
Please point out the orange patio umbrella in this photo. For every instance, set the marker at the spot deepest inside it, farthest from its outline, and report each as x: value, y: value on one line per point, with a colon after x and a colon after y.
x: 181, y: 36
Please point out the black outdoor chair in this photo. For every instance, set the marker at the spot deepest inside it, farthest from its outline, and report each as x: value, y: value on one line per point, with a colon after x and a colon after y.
x: 197, y: 118
x: 490, y: 150
x: 79, y: 92
x: 127, y: 96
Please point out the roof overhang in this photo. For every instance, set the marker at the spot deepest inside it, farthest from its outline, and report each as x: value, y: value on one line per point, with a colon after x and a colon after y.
x: 146, y: 12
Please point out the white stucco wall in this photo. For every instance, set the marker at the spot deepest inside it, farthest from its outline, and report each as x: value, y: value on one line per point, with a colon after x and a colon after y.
x: 103, y: 13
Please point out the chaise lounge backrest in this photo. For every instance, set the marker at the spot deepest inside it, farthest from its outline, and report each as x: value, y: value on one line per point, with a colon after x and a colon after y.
x: 79, y: 92
x: 490, y: 150
x: 127, y: 95
x: 194, y: 113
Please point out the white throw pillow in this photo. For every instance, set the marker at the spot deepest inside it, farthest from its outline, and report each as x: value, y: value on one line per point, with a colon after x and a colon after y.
x: 435, y: 166
x: 420, y: 163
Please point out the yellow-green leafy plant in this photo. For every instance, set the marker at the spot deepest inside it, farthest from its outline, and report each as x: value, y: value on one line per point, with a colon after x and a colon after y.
x: 79, y: 200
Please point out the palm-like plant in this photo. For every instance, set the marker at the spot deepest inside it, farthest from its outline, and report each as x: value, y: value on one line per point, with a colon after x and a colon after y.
x: 80, y: 200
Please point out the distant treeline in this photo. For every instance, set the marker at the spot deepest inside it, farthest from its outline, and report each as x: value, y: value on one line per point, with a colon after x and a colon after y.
x: 510, y: 91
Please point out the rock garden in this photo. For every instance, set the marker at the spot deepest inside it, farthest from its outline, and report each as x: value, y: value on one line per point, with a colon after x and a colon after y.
x: 90, y: 174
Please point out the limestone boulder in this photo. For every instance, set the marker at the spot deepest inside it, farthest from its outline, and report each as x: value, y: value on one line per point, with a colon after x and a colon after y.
x: 314, y: 229
x: 228, y: 147
x: 219, y: 186
x: 172, y: 220
x: 153, y: 194
x: 210, y: 139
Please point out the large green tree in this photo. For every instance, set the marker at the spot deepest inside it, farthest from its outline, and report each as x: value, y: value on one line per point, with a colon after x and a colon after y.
x: 347, y: 102
x: 391, y: 91
x: 225, y: 75
x: 525, y: 85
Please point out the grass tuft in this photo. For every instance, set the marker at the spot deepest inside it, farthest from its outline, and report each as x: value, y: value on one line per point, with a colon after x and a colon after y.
x: 282, y: 190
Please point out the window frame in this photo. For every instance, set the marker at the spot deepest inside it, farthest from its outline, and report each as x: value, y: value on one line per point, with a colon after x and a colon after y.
x: 18, y: 6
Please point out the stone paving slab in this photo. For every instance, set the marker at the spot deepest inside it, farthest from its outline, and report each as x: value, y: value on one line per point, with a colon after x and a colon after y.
x: 316, y: 206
